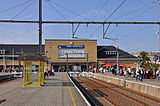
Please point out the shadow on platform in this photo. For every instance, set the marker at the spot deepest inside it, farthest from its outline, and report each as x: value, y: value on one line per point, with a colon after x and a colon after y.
x: 59, y: 84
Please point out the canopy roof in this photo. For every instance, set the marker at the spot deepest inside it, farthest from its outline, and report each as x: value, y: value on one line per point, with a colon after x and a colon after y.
x: 31, y: 56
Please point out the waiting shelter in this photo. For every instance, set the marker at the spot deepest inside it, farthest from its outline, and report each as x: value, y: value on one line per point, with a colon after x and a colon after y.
x: 33, y: 69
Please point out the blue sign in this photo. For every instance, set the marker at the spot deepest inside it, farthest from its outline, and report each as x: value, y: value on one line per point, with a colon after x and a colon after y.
x: 71, y: 46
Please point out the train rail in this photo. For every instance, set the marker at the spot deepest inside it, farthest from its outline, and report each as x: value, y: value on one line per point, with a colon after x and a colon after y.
x: 131, y: 91
x: 5, y: 78
x: 111, y: 94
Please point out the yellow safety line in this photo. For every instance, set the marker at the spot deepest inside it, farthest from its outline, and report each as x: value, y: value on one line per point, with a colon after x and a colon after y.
x: 74, y: 103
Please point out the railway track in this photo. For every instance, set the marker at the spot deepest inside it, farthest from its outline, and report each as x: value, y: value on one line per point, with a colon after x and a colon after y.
x: 6, y: 78
x: 131, y: 91
x: 111, y: 94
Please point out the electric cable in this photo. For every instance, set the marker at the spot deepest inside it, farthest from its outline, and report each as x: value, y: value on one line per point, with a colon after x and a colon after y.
x: 144, y: 12
x: 135, y: 10
x: 15, y: 6
x: 141, y: 29
x: 69, y: 10
x: 7, y: 36
x: 23, y: 10
x: 109, y: 17
x: 101, y: 9
x: 115, y: 10
x: 57, y: 11
x: 112, y: 30
x: 97, y: 13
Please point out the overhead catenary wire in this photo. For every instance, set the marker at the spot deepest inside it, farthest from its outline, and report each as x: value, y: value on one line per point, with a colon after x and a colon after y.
x: 71, y: 11
x: 115, y: 10
x: 127, y: 35
x: 106, y: 2
x: 57, y: 10
x: 7, y: 36
x: 23, y: 10
x: 15, y: 6
x: 143, y: 12
x: 128, y: 13
x: 109, y: 17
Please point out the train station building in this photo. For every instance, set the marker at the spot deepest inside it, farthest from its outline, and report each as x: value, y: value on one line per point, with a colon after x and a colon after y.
x: 63, y: 54
x: 108, y: 55
x: 76, y: 53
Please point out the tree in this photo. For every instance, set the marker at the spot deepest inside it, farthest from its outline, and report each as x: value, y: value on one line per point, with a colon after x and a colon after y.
x: 145, y: 60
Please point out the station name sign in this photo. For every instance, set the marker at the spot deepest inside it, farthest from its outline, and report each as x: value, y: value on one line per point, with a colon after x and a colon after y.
x: 73, y: 51
x: 71, y: 46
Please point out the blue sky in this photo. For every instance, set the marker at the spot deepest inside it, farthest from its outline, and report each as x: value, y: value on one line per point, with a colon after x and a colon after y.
x: 132, y: 38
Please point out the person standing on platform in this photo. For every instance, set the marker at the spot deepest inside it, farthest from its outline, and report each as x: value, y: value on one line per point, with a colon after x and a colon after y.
x: 45, y: 73
x: 154, y: 72
x: 134, y: 72
x: 129, y: 71
x: 52, y: 71
x: 141, y: 74
x: 158, y: 74
x: 137, y: 74
x: 125, y: 73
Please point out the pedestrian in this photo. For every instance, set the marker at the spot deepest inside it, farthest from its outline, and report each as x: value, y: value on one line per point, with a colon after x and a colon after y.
x: 137, y: 74
x: 112, y: 70
x: 125, y: 73
x: 154, y: 72
x: 129, y: 71
x: 141, y: 74
x: 45, y: 73
x: 52, y: 71
x: 134, y: 72
x: 158, y: 74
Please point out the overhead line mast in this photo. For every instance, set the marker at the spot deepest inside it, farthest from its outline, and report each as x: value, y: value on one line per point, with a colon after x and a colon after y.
x: 40, y: 27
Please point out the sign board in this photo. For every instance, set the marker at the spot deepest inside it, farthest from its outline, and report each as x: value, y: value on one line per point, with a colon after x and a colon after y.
x: 73, y: 51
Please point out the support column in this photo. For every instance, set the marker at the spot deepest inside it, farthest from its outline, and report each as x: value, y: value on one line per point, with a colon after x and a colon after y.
x: 40, y: 27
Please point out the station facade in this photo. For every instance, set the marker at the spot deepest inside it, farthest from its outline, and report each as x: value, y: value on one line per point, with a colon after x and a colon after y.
x: 71, y: 54
x: 66, y: 54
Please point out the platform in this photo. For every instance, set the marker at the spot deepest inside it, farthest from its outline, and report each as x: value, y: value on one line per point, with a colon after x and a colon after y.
x: 147, y: 86
x: 3, y: 73
x: 145, y: 81
x: 58, y: 91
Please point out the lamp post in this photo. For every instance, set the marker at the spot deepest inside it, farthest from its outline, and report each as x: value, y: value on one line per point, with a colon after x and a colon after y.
x: 67, y: 62
x: 87, y: 63
x: 158, y: 33
x: 117, y: 59
x: 3, y: 60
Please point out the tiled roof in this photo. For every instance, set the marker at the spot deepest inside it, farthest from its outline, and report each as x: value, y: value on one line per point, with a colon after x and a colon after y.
x: 19, y: 48
x: 103, y: 53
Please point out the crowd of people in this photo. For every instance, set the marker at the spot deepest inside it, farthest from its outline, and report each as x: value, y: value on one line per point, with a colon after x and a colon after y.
x: 138, y: 73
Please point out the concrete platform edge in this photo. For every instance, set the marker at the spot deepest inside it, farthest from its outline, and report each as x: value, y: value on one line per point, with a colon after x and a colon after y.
x: 152, y: 90
x: 86, y: 101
